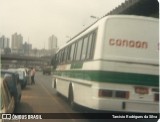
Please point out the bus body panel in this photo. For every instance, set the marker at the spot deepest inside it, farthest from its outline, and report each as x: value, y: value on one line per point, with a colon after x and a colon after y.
x: 124, y: 72
x: 103, y: 103
x: 131, y: 39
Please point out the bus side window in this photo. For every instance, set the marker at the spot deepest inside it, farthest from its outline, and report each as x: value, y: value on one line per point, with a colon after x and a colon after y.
x: 79, y: 49
x: 68, y: 54
x: 57, y: 58
x: 89, y: 46
x: 72, y: 51
x: 65, y: 54
x: 60, y: 57
x: 75, y: 51
x: 93, y: 45
x: 84, y: 48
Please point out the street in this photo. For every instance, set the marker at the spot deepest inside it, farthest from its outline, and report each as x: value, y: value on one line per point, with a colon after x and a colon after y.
x: 41, y: 98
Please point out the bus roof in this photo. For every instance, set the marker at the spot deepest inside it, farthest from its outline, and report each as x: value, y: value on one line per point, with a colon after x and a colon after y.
x: 104, y: 18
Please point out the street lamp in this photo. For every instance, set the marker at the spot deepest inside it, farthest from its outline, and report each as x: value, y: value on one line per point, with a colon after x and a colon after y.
x: 94, y: 17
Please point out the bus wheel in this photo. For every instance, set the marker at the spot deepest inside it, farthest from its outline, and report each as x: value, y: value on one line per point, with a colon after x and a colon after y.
x: 71, y: 98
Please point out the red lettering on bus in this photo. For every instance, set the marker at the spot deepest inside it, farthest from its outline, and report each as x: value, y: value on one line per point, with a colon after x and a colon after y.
x: 128, y: 43
x: 131, y: 43
x: 144, y: 45
x: 125, y: 42
x: 118, y: 42
x: 138, y: 44
x: 111, y: 42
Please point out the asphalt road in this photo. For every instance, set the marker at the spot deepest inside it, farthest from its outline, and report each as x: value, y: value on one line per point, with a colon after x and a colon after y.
x: 41, y: 98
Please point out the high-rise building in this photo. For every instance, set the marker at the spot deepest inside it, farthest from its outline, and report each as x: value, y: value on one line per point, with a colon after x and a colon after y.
x: 52, y: 42
x: 27, y: 48
x: 1, y: 42
x: 4, y: 42
x: 17, y: 41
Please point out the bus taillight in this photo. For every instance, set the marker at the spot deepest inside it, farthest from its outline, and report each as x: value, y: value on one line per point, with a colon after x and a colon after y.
x: 156, y: 97
x: 105, y: 93
x: 122, y: 94
x: 113, y: 94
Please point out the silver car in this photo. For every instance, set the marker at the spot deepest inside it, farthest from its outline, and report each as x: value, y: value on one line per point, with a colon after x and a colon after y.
x: 13, y: 83
x: 7, y: 100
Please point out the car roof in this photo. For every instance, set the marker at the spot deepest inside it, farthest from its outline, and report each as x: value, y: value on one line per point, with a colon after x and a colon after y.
x: 21, y: 68
x: 7, y: 71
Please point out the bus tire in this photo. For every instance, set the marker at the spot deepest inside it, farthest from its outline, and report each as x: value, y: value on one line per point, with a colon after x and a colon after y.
x: 71, y: 98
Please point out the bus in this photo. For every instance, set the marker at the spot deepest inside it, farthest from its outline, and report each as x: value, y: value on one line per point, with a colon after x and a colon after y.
x: 113, y: 65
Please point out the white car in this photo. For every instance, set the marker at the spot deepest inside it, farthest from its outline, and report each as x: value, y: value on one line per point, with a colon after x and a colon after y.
x: 23, y: 76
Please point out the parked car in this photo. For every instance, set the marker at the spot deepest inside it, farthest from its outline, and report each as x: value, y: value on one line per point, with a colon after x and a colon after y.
x: 12, y: 80
x: 22, y: 76
x: 7, y: 100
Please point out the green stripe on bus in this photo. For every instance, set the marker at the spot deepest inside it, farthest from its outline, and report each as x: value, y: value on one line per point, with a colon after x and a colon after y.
x: 112, y: 77
x: 77, y: 65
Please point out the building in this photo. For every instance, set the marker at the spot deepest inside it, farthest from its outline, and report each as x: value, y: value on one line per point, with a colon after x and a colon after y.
x: 52, y: 42
x: 4, y: 45
x: 4, y: 42
x: 26, y: 48
x: 52, y: 45
x: 17, y: 42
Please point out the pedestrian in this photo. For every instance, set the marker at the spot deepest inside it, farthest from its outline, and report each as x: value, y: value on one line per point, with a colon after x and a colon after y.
x: 33, y: 72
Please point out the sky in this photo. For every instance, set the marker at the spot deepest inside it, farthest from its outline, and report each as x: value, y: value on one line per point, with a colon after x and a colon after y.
x: 37, y: 20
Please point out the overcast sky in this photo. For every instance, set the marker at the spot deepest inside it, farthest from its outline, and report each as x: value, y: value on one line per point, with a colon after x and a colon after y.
x: 36, y: 20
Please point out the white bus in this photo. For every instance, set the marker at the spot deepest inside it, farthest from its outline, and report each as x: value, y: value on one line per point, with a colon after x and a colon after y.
x: 112, y: 65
